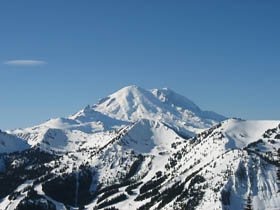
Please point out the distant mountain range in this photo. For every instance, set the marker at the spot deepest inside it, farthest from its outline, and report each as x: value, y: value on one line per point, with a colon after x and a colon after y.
x: 141, y: 149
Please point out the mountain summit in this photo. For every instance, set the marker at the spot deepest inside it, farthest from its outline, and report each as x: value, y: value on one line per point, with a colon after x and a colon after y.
x: 133, y: 103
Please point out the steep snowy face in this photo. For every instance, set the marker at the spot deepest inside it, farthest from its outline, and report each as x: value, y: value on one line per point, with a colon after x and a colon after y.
x: 183, y: 104
x: 10, y: 143
x: 173, y: 99
x: 88, y: 115
x: 241, y: 133
x: 150, y: 137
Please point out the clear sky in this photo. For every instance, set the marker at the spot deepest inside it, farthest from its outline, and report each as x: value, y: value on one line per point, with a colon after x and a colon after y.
x: 57, y: 56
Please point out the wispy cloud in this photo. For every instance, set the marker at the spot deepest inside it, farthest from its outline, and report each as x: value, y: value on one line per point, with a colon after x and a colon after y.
x: 25, y: 62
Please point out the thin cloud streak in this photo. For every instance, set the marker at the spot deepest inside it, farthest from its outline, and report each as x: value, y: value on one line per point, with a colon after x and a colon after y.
x: 25, y: 62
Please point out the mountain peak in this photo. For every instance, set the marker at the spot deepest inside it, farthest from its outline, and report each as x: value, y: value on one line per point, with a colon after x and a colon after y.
x: 133, y: 103
x: 129, y: 90
x: 131, y: 87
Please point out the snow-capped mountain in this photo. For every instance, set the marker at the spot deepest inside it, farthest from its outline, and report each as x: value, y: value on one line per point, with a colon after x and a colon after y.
x: 133, y: 103
x: 129, y: 151
x: 126, y: 106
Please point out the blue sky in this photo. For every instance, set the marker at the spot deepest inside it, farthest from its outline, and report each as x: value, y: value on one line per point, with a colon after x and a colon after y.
x: 223, y: 55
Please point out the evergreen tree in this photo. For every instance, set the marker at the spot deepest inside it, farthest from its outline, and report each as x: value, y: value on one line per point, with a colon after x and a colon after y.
x: 249, y: 203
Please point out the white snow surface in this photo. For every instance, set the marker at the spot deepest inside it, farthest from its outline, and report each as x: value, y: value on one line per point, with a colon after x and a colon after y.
x: 243, y: 132
x: 147, y: 135
x: 10, y: 143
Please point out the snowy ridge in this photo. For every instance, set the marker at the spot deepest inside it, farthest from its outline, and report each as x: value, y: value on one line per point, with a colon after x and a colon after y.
x: 10, y: 143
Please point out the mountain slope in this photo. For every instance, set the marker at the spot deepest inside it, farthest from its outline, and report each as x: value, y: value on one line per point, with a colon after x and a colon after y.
x: 230, y: 168
x: 125, y: 158
x: 146, y: 165
x: 10, y: 143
